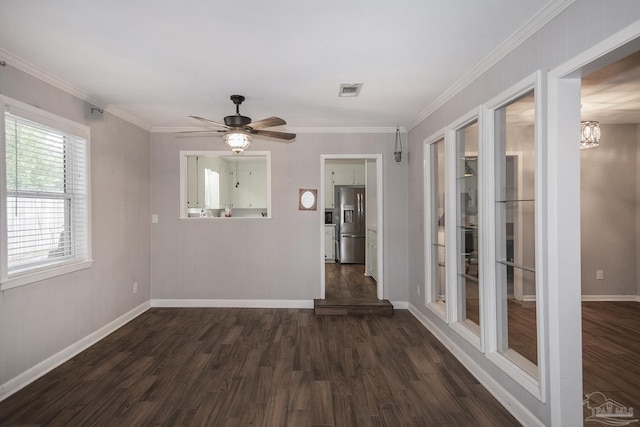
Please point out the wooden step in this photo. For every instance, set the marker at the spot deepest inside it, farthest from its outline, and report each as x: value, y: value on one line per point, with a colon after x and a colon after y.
x: 343, y: 307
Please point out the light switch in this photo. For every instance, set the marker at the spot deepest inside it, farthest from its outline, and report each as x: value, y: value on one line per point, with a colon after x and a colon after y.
x: 154, y: 218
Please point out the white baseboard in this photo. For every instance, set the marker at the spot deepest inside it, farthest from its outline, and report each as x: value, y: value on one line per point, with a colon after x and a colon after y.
x: 400, y: 305
x: 231, y: 303
x: 246, y: 303
x: 611, y: 298
x: 30, y: 375
x: 511, y: 404
x: 529, y: 298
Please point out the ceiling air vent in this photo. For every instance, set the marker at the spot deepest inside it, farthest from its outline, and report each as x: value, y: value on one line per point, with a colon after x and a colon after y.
x: 350, y: 89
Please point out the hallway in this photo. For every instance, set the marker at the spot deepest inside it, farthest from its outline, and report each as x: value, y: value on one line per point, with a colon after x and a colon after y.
x: 347, y: 281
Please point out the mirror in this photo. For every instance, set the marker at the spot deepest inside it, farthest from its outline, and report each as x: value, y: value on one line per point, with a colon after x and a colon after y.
x: 222, y: 185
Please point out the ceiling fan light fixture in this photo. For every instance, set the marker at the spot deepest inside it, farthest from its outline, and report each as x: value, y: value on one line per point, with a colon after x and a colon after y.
x: 238, y: 141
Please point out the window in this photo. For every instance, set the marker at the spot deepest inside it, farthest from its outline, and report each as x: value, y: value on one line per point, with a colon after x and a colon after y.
x: 516, y: 339
x: 219, y: 184
x: 515, y: 229
x: 437, y: 288
x: 45, y: 231
x: 468, y: 267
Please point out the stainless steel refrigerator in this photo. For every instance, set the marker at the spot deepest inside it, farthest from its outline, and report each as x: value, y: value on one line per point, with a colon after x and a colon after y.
x: 351, y: 208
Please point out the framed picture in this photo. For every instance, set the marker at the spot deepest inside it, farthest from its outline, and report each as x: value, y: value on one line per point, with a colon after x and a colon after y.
x: 307, y: 199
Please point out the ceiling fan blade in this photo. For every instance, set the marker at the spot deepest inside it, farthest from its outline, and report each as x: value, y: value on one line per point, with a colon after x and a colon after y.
x: 267, y: 123
x: 210, y: 121
x: 211, y: 132
x: 274, y: 134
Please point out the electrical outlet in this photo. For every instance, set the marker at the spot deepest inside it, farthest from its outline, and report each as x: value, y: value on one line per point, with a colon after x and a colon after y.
x: 418, y: 289
x: 135, y: 287
x: 600, y: 274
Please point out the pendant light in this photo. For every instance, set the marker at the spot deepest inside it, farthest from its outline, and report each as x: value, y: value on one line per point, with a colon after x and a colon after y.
x: 589, y: 134
x: 398, y: 147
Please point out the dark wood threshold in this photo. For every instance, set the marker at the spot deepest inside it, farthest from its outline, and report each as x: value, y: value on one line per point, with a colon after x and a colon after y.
x: 350, y: 306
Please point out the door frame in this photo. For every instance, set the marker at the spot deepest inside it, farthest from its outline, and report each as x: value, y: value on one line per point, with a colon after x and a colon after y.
x: 377, y: 158
x: 563, y: 279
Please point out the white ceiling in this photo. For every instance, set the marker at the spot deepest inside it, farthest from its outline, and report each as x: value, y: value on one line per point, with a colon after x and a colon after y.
x: 611, y: 95
x: 161, y: 61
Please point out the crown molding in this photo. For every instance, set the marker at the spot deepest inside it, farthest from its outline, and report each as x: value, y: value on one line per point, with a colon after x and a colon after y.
x: 56, y: 82
x: 539, y: 20
x: 382, y: 129
x: 535, y: 23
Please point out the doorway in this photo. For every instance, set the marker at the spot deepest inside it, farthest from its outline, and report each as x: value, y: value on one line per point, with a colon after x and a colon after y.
x: 580, y: 346
x: 374, y: 236
x: 610, y: 99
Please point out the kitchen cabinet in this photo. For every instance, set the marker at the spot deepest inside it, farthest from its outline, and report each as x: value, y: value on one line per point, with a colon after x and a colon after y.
x: 372, y: 253
x: 328, y: 189
x: 340, y: 172
x: 208, y: 182
x: 193, y: 201
x: 329, y: 243
x: 212, y: 181
x: 249, y: 184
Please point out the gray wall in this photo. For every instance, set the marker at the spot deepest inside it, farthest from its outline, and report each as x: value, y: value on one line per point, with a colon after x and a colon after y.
x: 274, y: 259
x: 608, y: 207
x: 560, y: 40
x: 43, y: 318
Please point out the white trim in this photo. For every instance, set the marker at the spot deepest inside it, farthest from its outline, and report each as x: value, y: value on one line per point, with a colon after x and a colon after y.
x: 301, y: 129
x: 466, y: 329
x: 57, y: 82
x: 400, y: 305
x: 619, y: 44
x: 47, y: 272
x: 380, y: 213
x: 519, y: 369
x: 506, y: 399
x: 27, y: 377
x: 183, y: 214
x: 231, y: 303
x: 620, y: 298
x: 563, y: 250
x: 543, y: 17
x: 43, y: 117
x: 469, y: 331
x: 438, y: 307
x: 532, y: 82
x: 63, y: 124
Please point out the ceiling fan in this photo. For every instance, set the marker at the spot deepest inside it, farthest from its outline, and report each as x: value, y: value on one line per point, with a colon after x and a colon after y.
x: 239, y: 129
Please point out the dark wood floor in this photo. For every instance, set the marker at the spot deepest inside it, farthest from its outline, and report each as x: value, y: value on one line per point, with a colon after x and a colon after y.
x: 522, y: 329
x: 260, y: 367
x: 240, y: 367
x: 611, y: 351
x: 347, y: 281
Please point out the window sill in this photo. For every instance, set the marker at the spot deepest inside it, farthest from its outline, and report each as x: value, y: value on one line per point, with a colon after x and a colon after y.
x: 31, y: 277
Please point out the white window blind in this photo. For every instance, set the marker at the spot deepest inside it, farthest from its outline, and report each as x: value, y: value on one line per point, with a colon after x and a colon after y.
x: 46, y: 195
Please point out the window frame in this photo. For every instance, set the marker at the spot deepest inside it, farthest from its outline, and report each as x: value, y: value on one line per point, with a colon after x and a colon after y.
x: 438, y: 307
x: 184, y: 209
x: 531, y: 377
x: 68, y: 264
x: 474, y: 334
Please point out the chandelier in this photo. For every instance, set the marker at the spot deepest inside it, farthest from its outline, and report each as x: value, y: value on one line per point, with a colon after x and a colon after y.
x: 589, y: 134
